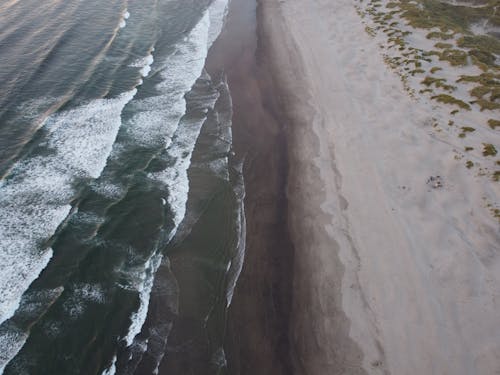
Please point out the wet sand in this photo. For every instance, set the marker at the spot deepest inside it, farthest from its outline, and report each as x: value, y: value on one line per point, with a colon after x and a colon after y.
x: 258, y: 326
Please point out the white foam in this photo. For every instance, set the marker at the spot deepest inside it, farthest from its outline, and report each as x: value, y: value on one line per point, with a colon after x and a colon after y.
x: 160, y: 115
x: 139, y: 317
x: 108, y: 190
x: 157, y: 120
x: 123, y: 20
x: 12, y: 338
x: 34, y: 199
x: 144, y: 63
x: 83, y: 294
x: 175, y: 176
x: 218, y: 12
x: 111, y: 370
x: 11, y: 342
x: 236, y: 264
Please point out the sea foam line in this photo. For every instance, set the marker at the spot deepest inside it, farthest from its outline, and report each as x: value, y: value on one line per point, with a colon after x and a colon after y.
x: 111, y: 370
x: 125, y: 17
x: 139, y: 317
x: 181, y: 70
x: 161, y: 115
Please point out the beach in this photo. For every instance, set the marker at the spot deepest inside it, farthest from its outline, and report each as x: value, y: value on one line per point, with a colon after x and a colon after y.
x: 395, y: 251
x: 236, y: 187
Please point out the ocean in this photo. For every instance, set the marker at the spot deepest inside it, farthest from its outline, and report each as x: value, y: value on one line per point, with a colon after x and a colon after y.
x: 122, y: 225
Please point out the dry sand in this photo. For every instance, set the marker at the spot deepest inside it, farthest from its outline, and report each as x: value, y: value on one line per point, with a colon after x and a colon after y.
x: 391, y: 273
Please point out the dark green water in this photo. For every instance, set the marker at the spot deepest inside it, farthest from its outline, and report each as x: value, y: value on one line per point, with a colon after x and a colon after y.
x: 121, y: 203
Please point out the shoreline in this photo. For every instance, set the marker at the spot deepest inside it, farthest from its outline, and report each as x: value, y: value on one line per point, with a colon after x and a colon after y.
x: 258, y: 324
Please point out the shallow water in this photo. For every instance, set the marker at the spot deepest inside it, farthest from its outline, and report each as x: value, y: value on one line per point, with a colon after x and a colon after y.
x: 121, y: 214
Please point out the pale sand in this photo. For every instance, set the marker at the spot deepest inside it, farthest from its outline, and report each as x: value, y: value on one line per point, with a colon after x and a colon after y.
x: 391, y: 275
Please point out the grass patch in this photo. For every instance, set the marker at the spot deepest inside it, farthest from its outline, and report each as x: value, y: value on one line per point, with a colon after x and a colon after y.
x: 495, y: 94
x: 417, y: 71
x: 437, y: 82
x: 489, y: 83
x: 496, y: 176
x: 484, y: 43
x: 426, y: 90
x: 468, y: 148
x: 448, y: 99
x: 496, y: 213
x: 465, y: 130
x: 469, y: 164
x: 370, y: 31
x: 455, y: 57
x: 483, y: 57
x: 429, y: 81
x: 489, y: 149
x: 468, y: 129
x: 486, y: 104
x: 493, y: 123
x: 485, y: 79
x: 398, y: 41
x: 447, y: 17
x: 442, y: 45
x: 440, y: 35
x: 480, y: 91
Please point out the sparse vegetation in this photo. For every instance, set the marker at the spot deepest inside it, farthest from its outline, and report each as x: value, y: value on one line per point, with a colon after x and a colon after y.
x: 483, y: 43
x: 448, y: 99
x: 486, y: 104
x: 442, y: 45
x: 465, y: 130
x: 439, y: 35
x: 483, y: 59
x: 480, y: 91
x: 417, y: 71
x: 455, y: 57
x: 438, y: 83
x: 489, y: 149
x: 449, y: 25
x: 370, y: 31
x: 485, y: 79
x: 493, y: 123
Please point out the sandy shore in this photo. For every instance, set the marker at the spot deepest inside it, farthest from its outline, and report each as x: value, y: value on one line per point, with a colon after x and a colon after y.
x: 257, y: 338
x: 393, y: 272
